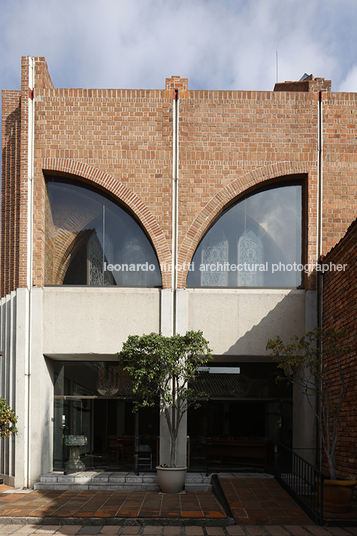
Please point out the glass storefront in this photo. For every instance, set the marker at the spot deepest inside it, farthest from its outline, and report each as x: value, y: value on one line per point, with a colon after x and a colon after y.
x: 235, y: 427
x: 238, y: 425
x: 95, y: 427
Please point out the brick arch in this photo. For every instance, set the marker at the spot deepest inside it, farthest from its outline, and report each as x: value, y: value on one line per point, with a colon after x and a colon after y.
x: 223, y: 198
x: 125, y: 195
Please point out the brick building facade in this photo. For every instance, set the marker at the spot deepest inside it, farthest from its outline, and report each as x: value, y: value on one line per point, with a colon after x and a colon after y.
x: 174, y: 163
x: 339, y: 312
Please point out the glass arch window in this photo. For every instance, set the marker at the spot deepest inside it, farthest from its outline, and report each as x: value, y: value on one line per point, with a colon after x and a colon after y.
x: 262, y: 245
x: 91, y: 240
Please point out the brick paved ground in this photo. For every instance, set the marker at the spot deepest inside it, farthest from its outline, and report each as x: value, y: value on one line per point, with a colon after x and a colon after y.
x: 260, y: 508
x: 154, y: 530
x: 253, y: 501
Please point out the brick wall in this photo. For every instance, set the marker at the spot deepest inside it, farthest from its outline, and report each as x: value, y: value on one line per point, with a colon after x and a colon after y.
x: 10, y: 191
x: 340, y: 312
x: 230, y: 142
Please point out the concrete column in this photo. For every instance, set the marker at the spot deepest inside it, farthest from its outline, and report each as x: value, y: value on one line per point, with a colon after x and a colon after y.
x: 181, y: 311
x: 41, y: 397
x: 166, y: 329
x: 21, y: 407
x: 166, y: 312
x: 304, y: 420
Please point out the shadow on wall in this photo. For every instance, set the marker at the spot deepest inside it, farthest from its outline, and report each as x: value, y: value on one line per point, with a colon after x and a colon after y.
x: 240, y: 322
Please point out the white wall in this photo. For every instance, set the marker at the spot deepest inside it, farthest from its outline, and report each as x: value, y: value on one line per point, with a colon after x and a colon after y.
x: 239, y: 322
x: 89, y: 322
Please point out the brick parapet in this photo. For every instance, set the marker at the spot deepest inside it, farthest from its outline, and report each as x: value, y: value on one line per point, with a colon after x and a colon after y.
x: 309, y: 84
x: 179, y: 84
x: 42, y: 75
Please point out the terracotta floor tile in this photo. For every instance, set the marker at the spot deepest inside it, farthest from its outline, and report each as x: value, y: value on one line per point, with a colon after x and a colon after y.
x: 252, y: 500
x: 127, y: 513
x: 105, y: 512
x: 242, y: 521
x: 214, y: 515
x: 23, y: 512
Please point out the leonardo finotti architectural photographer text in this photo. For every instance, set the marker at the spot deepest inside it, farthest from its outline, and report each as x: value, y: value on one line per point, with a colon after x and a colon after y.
x: 228, y: 267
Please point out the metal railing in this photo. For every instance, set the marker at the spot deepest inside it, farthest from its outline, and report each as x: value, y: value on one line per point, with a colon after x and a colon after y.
x: 302, y: 481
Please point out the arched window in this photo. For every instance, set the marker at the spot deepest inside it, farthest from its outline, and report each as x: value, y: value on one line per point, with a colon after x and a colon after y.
x: 262, y: 245
x: 90, y: 240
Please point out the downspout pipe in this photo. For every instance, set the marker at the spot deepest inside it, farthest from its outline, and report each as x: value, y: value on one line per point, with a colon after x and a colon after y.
x: 174, y: 232
x: 319, y: 211
x: 29, y: 275
x: 319, y: 280
x: 175, y: 210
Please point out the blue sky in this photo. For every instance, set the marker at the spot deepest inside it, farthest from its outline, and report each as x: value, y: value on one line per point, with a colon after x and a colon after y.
x: 217, y: 44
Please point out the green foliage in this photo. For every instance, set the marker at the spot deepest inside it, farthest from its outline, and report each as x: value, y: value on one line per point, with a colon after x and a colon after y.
x: 8, y: 419
x: 315, y: 362
x: 164, y: 369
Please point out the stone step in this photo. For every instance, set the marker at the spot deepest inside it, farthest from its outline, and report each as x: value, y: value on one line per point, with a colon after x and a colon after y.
x: 96, y: 480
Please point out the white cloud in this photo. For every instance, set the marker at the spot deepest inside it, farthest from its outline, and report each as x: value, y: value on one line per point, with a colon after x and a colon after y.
x: 349, y: 84
x: 217, y: 44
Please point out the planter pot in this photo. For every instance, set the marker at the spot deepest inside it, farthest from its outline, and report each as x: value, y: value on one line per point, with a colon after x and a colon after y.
x: 171, y: 479
x: 338, y: 495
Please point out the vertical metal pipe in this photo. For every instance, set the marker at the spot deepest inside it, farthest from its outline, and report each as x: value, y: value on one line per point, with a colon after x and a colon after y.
x: 174, y: 236
x: 174, y: 208
x: 319, y: 280
x: 320, y: 176
x: 29, y: 275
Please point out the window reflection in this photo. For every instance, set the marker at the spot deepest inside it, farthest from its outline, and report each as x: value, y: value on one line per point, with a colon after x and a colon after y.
x: 250, y: 253
x: 215, y: 251
x: 255, y: 243
x: 90, y: 240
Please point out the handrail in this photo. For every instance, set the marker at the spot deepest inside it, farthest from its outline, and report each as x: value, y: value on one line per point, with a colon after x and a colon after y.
x: 303, y: 481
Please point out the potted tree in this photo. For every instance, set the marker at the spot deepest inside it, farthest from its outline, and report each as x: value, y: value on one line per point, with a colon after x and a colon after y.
x: 163, y: 371
x: 315, y: 362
